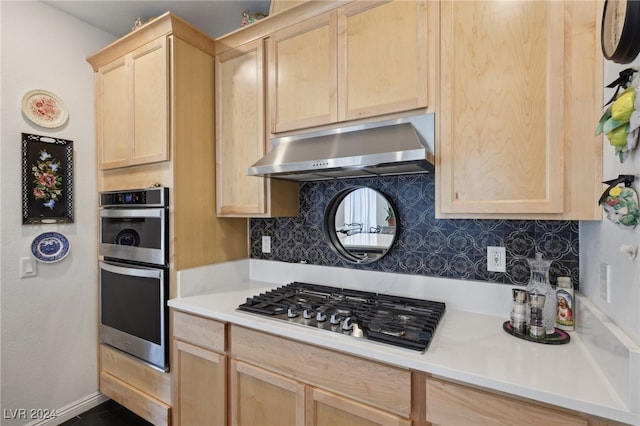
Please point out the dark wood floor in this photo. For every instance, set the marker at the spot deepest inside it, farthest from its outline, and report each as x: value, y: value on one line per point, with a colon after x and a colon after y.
x: 108, y: 413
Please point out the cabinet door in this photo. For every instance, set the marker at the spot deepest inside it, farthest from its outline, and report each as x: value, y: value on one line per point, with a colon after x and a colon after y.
x: 264, y: 398
x: 132, y: 107
x: 327, y: 409
x: 112, y: 115
x: 303, y: 74
x: 382, y: 61
x: 150, y: 98
x: 376, y: 384
x: 240, y: 140
x: 453, y: 404
x: 500, y: 147
x: 200, y: 381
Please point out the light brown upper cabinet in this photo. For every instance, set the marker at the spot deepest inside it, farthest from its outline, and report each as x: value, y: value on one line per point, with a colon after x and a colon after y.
x: 241, y: 138
x: 361, y: 60
x: 520, y: 95
x: 382, y: 58
x: 132, y: 103
x: 157, y: 84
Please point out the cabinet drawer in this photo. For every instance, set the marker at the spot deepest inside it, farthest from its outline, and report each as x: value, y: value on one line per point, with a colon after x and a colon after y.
x: 136, y: 373
x: 385, y: 387
x: 203, y: 332
x: 144, y: 405
x: 453, y: 404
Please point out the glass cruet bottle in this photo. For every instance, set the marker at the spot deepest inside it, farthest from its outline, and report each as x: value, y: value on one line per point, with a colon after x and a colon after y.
x: 539, y: 284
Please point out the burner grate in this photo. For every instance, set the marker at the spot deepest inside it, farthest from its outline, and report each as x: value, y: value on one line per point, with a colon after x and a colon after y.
x: 399, y: 321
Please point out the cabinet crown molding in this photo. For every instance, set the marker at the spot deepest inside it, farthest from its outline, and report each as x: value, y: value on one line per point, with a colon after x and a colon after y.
x: 163, y: 25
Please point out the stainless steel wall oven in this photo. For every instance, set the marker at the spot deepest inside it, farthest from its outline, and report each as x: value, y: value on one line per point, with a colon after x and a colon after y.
x: 134, y: 273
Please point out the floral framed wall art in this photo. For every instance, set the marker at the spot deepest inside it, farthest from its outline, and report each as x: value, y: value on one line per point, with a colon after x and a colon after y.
x: 47, y: 179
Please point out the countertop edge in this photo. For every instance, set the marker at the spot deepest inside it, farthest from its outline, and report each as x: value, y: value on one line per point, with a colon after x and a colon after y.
x: 371, y: 351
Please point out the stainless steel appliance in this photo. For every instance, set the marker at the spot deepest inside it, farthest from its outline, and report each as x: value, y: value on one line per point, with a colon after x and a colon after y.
x: 395, y: 146
x: 134, y: 274
x: 133, y: 225
x: 399, y: 321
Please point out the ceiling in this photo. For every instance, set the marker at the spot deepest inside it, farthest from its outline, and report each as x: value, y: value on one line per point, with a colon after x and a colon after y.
x: 116, y: 17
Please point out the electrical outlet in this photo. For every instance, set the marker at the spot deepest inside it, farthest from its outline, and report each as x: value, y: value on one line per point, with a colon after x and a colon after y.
x: 266, y: 244
x: 496, y: 259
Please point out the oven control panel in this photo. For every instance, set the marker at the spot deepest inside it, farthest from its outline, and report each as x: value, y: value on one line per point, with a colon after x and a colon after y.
x: 150, y: 197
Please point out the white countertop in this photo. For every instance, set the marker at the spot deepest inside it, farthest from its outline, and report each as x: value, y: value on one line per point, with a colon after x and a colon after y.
x: 467, y: 347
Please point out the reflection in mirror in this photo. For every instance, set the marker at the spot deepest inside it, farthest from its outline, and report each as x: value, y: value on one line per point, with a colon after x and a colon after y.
x: 360, y: 224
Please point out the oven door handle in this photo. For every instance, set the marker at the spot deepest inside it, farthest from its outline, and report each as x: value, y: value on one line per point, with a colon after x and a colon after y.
x: 159, y: 213
x: 130, y: 270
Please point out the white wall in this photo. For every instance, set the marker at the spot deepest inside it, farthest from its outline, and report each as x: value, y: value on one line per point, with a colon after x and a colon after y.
x: 48, y: 322
x: 600, y: 241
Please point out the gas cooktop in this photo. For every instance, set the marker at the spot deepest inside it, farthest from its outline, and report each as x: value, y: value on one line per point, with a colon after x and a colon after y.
x: 399, y: 321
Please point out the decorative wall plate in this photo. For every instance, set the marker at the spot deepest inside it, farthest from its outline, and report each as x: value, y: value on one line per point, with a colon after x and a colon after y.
x: 50, y: 247
x: 44, y: 108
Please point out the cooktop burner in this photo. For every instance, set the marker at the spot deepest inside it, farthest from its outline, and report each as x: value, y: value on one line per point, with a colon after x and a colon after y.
x: 400, y: 321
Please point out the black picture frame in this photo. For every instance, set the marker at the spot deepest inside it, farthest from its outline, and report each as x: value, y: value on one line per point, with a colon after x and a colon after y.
x: 47, y: 180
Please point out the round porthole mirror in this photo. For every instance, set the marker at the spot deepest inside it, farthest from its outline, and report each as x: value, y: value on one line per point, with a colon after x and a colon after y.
x: 360, y: 224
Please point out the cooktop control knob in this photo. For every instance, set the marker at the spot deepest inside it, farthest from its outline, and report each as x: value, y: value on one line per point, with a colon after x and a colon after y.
x: 347, y: 325
x: 321, y: 316
x: 292, y: 313
x: 307, y: 314
x: 335, y: 319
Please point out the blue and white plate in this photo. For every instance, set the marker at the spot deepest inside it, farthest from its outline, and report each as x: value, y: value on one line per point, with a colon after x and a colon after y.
x: 50, y: 247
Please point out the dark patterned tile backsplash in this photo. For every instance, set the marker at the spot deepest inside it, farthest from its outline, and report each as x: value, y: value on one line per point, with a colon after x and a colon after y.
x: 425, y: 245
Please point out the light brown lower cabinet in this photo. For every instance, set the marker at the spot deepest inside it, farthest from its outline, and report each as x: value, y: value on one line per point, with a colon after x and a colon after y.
x: 199, y: 371
x: 274, y: 380
x: 142, y: 389
x: 265, y: 380
x: 262, y: 397
x: 446, y: 403
x: 201, y: 385
x: 327, y: 409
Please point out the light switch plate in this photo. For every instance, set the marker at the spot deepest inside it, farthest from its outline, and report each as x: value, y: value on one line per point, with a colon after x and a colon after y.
x: 496, y: 259
x: 28, y: 267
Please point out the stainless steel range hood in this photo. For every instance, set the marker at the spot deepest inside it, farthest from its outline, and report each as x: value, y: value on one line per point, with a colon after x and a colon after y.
x: 398, y: 146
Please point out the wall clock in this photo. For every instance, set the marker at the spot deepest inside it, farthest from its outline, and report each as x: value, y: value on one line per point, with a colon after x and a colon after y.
x: 620, y: 32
